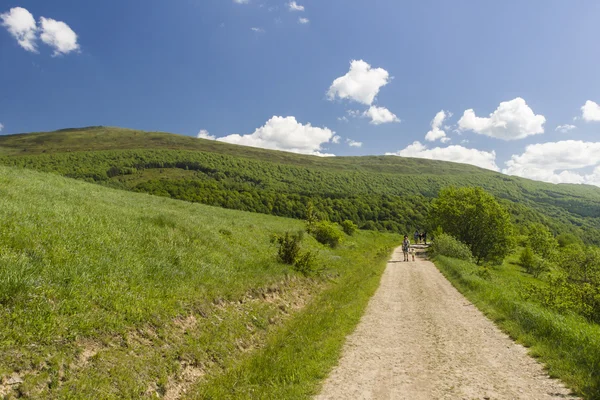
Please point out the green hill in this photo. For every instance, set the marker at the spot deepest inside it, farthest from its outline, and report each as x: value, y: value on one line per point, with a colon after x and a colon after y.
x: 108, y: 294
x: 376, y: 192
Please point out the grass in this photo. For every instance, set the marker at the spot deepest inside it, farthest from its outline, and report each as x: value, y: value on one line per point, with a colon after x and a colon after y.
x: 109, y: 294
x: 568, y: 345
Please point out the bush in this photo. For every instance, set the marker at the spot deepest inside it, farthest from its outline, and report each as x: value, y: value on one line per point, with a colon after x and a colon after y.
x: 289, y: 246
x: 327, y: 233
x: 476, y: 218
x: 533, y: 263
x: 349, y: 227
x: 305, y: 263
x: 449, y: 246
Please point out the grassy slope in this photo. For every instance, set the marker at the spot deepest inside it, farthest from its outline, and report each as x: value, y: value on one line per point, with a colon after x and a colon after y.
x: 265, y: 174
x: 568, y: 345
x: 111, y: 294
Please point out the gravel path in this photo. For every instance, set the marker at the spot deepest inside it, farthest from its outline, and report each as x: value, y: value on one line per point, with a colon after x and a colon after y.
x: 421, y: 339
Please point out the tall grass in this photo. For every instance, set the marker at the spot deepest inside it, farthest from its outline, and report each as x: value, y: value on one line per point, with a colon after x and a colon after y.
x: 111, y: 294
x: 568, y: 345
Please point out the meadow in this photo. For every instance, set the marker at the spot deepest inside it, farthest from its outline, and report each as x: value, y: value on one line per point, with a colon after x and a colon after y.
x: 110, y: 294
x: 384, y: 193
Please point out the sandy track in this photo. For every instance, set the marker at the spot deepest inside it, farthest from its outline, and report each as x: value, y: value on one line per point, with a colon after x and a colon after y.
x: 421, y: 339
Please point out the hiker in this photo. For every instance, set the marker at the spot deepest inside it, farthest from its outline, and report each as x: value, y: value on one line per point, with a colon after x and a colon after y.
x: 405, y: 247
x: 412, y: 253
x: 425, y: 237
x: 416, y: 236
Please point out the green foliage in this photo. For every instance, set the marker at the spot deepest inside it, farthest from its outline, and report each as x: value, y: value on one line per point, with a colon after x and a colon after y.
x: 349, y: 227
x: 306, y: 263
x: 289, y: 246
x: 527, y: 259
x: 567, y: 239
x: 541, y: 240
x: 327, y: 233
x: 377, y: 193
x: 476, y: 218
x: 447, y: 245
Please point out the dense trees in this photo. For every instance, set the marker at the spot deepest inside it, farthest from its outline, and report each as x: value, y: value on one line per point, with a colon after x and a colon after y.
x: 474, y: 217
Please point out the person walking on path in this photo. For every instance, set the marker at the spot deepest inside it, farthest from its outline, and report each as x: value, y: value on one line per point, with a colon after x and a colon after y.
x: 425, y: 237
x: 416, y: 236
x: 405, y: 247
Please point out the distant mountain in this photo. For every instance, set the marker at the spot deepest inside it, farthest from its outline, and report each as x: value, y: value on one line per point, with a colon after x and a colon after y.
x: 377, y: 192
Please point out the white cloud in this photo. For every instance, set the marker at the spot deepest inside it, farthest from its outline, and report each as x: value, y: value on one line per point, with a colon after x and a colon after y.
x: 454, y: 153
x: 590, y: 111
x: 353, y: 143
x: 512, y: 120
x: 343, y: 119
x: 21, y: 25
x: 58, y: 35
x: 361, y: 83
x: 241, y: 1
x: 565, y: 128
x: 295, y: 6
x: 557, y: 162
x: 259, y: 30
x: 445, y: 139
x: 336, y: 139
x: 303, y: 21
x: 353, y: 113
x: 436, y: 131
x: 203, y: 134
x: 285, y: 134
x: 1, y: 127
x: 380, y: 115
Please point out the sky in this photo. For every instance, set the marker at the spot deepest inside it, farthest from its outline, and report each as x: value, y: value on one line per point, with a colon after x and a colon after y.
x: 510, y: 86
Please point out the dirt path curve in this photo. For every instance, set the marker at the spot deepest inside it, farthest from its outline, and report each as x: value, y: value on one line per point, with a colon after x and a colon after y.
x: 421, y: 339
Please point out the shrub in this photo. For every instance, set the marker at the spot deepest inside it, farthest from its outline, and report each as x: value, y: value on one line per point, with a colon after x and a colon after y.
x: 449, y: 246
x: 327, y: 233
x: 349, y: 227
x: 305, y: 263
x: 289, y: 246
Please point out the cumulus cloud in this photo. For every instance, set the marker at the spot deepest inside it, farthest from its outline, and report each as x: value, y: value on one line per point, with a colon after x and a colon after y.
x: 58, y: 35
x: 512, y: 120
x: 557, y: 162
x: 255, y: 29
x: 203, y: 134
x: 241, y: 1
x: 1, y: 127
x: 436, y: 131
x: 380, y: 115
x: 454, y: 153
x: 565, y: 128
x: 303, y: 21
x: 361, y: 83
x: 336, y: 139
x: 295, y: 6
x: 21, y: 25
x: 285, y: 134
x: 590, y: 111
x: 353, y: 143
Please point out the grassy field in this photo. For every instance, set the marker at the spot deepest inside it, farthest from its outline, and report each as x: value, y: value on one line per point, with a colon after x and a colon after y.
x: 568, y: 344
x: 109, y: 294
x: 376, y: 192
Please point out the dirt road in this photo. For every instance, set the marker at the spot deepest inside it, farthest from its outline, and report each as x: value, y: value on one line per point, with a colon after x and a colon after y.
x: 421, y: 339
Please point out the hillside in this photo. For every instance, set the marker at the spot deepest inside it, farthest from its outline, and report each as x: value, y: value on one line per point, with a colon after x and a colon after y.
x: 110, y: 294
x: 377, y: 192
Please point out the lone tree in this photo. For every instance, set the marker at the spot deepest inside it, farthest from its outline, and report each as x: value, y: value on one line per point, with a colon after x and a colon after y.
x: 474, y: 217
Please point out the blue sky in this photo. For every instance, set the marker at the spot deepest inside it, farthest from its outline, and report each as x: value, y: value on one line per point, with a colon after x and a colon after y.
x: 252, y: 73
